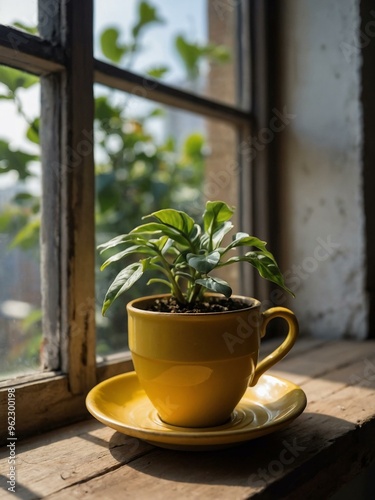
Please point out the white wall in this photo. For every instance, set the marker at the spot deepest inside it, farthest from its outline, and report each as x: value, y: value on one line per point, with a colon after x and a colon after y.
x: 320, y: 167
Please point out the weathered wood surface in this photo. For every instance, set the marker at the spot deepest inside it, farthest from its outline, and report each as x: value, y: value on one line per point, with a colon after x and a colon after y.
x: 325, y: 447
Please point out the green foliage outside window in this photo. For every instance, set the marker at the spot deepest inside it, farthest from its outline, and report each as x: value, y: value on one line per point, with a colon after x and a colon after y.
x: 136, y: 173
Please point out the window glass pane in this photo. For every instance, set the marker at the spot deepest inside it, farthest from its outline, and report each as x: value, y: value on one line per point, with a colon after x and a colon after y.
x: 150, y: 157
x: 22, y: 14
x: 20, y: 189
x: 191, y: 45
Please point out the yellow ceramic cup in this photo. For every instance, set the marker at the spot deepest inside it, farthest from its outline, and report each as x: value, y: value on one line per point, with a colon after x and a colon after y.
x: 195, y: 368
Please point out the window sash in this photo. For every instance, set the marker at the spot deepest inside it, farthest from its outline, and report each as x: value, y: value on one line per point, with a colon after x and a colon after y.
x: 68, y: 259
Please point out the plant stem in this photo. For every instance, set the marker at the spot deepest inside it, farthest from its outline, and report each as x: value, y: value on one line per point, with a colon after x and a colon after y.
x: 196, y: 290
x: 176, y: 289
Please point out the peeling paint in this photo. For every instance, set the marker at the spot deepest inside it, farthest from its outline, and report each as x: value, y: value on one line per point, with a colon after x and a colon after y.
x: 321, y: 158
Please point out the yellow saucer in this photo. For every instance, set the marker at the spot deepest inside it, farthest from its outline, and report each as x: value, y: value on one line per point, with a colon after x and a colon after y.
x: 121, y: 404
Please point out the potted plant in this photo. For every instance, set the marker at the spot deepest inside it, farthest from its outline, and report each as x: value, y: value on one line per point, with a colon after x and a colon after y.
x: 195, y: 349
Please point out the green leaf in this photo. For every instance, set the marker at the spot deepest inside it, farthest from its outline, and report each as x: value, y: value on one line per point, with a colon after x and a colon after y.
x: 216, y: 53
x: 190, y: 54
x: 24, y: 199
x: 146, y: 14
x: 104, y: 111
x: 193, y: 146
x: 28, y: 236
x: 157, y: 72
x: 31, y: 319
x: 7, y: 218
x: 169, y: 145
x: 221, y: 54
x: 161, y: 243
x: 123, y: 281
x: 151, y: 264
x: 14, y: 78
x: 33, y: 131
x: 169, y: 248
x: 108, y: 192
x: 158, y: 228
x: 156, y: 112
x: 215, y: 285
x: 33, y: 30
x: 203, y: 263
x: 174, y: 218
x: 244, y: 239
x: 117, y: 240
x: 148, y: 229
x: 121, y: 240
x: 216, y: 213
x: 219, y: 234
x: 134, y: 249
x: 15, y: 160
x: 195, y: 233
x: 265, y: 265
x: 109, y: 43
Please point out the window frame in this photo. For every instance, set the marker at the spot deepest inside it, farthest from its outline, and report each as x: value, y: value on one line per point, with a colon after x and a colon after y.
x: 63, y: 58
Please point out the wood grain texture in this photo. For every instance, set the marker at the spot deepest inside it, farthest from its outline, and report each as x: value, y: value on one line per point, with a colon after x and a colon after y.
x: 42, y: 405
x: 48, y: 398
x: 50, y: 221
x: 29, y: 53
x: 326, y: 446
x: 78, y: 200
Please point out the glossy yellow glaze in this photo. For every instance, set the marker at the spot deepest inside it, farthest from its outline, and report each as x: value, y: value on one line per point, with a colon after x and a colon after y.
x: 195, y: 368
x: 121, y: 403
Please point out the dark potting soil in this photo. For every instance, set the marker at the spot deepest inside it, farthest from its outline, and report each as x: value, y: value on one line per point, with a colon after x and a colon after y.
x: 209, y: 305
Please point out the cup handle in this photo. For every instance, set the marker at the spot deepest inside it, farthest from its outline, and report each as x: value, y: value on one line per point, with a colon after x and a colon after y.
x: 285, y: 347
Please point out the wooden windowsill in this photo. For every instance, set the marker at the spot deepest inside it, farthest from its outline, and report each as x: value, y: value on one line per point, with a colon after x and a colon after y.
x: 331, y: 442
